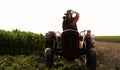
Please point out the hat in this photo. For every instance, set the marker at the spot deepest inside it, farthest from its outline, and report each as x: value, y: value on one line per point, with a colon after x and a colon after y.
x: 69, y: 12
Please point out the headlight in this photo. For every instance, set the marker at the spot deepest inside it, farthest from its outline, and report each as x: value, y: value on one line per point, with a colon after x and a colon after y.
x: 58, y: 34
x: 82, y: 33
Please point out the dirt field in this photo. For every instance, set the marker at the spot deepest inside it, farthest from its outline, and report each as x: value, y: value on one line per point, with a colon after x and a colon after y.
x: 108, y: 55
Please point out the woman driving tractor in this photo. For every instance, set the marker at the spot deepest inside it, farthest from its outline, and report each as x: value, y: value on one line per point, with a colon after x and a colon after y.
x: 69, y: 22
x: 70, y: 44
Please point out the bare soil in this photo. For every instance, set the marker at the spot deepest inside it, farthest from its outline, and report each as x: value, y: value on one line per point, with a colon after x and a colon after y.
x: 108, y: 54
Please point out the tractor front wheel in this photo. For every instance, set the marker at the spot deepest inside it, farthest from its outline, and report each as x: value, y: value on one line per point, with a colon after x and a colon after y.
x: 91, y: 59
x: 48, y: 57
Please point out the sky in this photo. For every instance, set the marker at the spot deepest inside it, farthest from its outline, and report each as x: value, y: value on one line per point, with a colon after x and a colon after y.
x: 102, y: 17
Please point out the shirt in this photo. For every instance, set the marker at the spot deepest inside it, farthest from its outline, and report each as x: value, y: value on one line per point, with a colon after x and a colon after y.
x: 71, y: 24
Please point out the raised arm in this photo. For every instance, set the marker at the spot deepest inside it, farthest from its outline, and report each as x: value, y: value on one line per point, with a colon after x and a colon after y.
x: 75, y: 18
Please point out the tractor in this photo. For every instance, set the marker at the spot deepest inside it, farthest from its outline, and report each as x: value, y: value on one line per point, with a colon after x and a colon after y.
x: 71, y: 45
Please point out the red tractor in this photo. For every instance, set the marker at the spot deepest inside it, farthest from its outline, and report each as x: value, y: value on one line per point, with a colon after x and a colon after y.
x: 71, y: 45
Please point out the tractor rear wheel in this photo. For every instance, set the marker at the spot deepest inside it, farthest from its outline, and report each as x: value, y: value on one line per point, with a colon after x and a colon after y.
x: 50, y: 41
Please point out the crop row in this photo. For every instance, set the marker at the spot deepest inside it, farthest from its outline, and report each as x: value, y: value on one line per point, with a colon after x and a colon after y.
x: 20, y: 42
x: 108, y: 38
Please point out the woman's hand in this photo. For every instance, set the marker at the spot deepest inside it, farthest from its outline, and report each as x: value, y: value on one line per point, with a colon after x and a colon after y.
x: 74, y: 12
